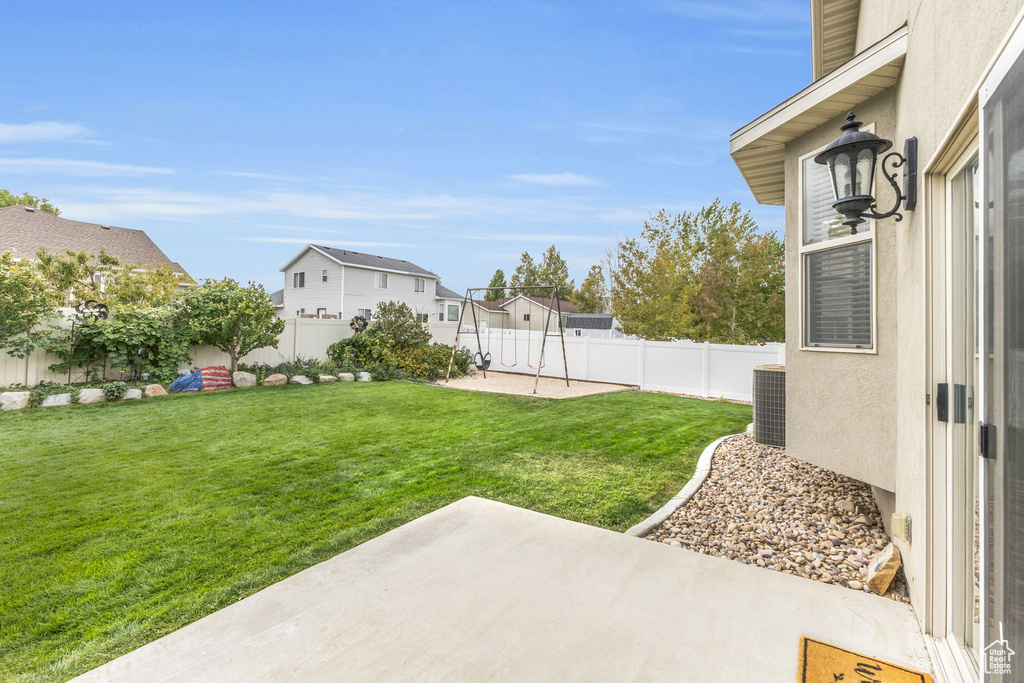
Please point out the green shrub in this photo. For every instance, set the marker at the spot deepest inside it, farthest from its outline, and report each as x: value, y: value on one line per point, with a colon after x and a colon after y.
x: 399, y: 341
x: 37, y: 394
x: 382, y: 373
x: 118, y: 339
x: 114, y: 391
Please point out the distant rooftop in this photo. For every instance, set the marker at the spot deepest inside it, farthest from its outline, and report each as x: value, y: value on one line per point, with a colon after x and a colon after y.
x: 356, y: 258
x: 23, y: 230
x: 445, y: 293
x: 589, y: 321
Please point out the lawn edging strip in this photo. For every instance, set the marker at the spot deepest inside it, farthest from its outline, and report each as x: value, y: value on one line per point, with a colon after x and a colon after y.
x: 683, y: 497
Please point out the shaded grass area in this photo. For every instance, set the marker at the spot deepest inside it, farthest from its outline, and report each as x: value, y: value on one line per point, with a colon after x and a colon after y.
x: 123, y: 522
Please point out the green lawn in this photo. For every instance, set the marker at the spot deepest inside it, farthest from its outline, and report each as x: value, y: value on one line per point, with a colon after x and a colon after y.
x: 120, y: 523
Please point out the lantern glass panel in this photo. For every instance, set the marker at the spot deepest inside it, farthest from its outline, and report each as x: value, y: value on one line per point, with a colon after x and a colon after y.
x: 840, y: 166
x: 865, y: 171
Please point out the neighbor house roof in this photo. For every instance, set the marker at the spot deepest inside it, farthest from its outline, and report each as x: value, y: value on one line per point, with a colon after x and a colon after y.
x: 759, y: 147
x: 277, y: 298
x: 358, y: 259
x: 564, y: 305
x: 24, y: 230
x: 589, y: 321
x: 445, y: 293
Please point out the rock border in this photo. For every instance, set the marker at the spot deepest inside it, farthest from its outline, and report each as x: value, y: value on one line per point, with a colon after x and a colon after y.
x: 700, y: 474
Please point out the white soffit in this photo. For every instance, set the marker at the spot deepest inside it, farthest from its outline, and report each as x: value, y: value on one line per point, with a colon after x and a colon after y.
x: 833, y: 34
x: 759, y: 147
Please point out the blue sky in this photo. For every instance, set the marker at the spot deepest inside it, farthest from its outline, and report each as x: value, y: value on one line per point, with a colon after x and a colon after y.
x: 452, y: 134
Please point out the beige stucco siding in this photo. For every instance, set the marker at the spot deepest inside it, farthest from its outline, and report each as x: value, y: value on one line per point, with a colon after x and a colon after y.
x: 538, y: 315
x: 865, y: 415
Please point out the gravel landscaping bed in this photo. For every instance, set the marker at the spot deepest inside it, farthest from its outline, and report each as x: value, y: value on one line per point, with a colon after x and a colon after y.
x: 761, y: 507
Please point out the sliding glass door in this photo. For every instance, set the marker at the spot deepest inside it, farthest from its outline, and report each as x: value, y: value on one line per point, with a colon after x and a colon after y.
x: 1002, y: 366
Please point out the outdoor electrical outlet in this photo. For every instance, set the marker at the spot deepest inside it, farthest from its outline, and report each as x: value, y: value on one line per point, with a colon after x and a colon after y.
x: 901, y: 526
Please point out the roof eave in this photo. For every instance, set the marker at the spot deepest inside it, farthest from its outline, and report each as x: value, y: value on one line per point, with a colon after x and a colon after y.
x: 758, y: 148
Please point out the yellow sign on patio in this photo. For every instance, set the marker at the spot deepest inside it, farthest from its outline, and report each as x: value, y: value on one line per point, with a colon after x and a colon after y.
x: 824, y: 663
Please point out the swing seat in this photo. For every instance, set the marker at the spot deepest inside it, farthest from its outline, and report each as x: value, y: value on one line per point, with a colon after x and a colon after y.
x: 506, y: 365
x: 482, y: 361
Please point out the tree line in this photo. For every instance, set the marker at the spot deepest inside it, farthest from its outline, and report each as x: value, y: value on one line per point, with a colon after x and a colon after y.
x: 552, y: 269
x: 708, y: 275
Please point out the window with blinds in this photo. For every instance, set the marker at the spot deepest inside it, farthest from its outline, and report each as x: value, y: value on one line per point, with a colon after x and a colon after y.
x: 836, y: 275
x: 821, y: 222
x: 837, y: 296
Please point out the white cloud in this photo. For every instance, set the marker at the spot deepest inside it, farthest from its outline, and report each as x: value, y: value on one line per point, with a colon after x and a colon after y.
x: 556, y: 179
x: 742, y: 10
x: 75, y: 167
x: 330, y: 243
x: 43, y: 131
x: 383, y: 210
x: 546, y: 238
x: 252, y: 175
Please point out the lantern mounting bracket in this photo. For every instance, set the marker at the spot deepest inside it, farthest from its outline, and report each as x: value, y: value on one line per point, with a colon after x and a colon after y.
x: 906, y: 198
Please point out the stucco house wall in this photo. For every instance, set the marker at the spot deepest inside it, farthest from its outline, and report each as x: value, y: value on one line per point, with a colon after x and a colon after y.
x: 865, y: 414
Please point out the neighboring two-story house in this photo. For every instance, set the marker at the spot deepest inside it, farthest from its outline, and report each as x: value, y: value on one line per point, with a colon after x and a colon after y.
x: 328, y: 282
x: 905, y: 338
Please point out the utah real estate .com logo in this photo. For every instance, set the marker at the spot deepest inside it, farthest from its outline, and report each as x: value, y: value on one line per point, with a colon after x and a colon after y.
x: 998, y: 655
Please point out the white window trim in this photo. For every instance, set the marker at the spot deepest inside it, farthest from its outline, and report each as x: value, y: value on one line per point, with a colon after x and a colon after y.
x: 803, y: 249
x: 378, y: 279
x: 419, y: 285
x: 323, y: 275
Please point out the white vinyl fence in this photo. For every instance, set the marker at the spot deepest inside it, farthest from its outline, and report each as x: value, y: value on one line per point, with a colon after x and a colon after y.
x: 712, y: 370
x: 682, y: 367
x: 306, y: 337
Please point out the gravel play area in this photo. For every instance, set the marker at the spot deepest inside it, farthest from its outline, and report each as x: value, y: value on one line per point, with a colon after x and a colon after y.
x: 522, y: 385
x: 761, y: 507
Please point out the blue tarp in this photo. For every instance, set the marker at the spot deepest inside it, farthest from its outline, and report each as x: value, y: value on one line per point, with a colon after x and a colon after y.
x: 193, y: 382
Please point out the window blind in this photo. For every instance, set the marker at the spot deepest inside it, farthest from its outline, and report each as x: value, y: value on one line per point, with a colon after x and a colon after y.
x: 837, y: 296
x: 821, y: 222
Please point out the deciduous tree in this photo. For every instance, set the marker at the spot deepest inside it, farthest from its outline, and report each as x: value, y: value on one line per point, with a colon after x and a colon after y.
x: 553, y: 270
x: 497, y: 281
x: 525, y: 275
x: 8, y: 198
x: 230, y: 317
x: 705, y: 276
x: 589, y: 298
x: 26, y: 300
x: 103, y: 277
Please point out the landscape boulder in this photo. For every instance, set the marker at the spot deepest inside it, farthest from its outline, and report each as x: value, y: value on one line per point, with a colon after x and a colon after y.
x: 300, y: 379
x: 14, y: 400
x: 154, y: 390
x: 91, y: 396
x: 346, y: 377
x: 243, y: 379
x: 56, y: 400
x: 275, y: 380
x: 132, y: 394
x: 364, y: 377
x: 327, y: 379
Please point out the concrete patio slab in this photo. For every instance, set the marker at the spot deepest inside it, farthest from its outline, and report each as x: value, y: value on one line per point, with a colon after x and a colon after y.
x: 482, y: 591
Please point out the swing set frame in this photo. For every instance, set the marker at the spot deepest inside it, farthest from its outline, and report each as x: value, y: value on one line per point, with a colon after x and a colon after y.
x: 554, y: 304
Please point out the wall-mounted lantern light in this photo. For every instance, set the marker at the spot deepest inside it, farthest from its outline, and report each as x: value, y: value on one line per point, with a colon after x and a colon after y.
x: 851, y: 161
